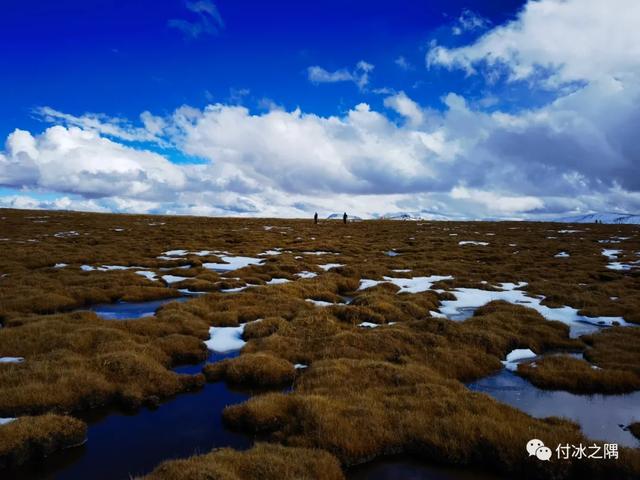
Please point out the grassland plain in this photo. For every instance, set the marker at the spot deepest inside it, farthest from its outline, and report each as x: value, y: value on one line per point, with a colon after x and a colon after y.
x: 365, y: 392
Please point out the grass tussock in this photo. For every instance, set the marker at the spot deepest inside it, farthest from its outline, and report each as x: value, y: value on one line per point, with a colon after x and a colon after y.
x: 262, y: 462
x: 464, y: 351
x: 615, y: 348
x: 31, y: 438
x: 577, y: 376
x: 77, y: 361
x: 252, y: 369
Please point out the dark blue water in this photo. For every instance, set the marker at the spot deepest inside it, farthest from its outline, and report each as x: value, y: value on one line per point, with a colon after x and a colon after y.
x: 121, y: 445
x: 600, y: 416
x: 132, y: 310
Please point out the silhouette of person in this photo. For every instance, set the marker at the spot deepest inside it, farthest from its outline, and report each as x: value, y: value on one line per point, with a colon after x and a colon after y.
x: 344, y: 218
x: 315, y: 218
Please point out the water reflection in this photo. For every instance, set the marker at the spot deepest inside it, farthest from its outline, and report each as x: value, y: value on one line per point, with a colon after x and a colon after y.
x: 600, y: 416
x: 132, y: 310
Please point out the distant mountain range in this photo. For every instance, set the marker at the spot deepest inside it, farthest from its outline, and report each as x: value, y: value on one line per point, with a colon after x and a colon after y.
x: 610, y: 218
x: 415, y: 216
x: 620, y: 218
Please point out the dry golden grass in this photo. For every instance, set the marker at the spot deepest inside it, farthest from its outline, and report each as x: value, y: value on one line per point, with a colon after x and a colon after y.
x: 252, y: 369
x: 615, y: 348
x: 577, y: 376
x: 78, y: 361
x: 463, y: 351
x: 31, y: 438
x: 262, y: 462
x: 367, y: 392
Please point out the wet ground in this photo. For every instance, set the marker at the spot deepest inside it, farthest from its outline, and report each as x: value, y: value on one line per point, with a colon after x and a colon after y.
x: 121, y: 445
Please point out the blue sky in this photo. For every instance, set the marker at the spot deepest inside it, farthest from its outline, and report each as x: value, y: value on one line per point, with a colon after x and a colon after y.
x: 122, y: 58
x: 469, y: 81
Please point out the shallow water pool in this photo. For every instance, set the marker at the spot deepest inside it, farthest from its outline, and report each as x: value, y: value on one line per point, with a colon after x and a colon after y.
x: 132, y: 310
x: 600, y: 416
x: 121, y: 445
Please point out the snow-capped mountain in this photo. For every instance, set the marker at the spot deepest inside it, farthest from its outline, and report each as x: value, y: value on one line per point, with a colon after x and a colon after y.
x: 620, y: 218
x: 414, y: 216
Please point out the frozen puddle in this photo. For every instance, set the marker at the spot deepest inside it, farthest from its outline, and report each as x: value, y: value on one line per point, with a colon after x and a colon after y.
x: 612, y: 255
x: 409, y: 285
x: 469, y: 299
x: 562, y: 255
x: 322, y: 303
x: 374, y: 325
x: 278, y: 281
x: 598, y: 415
x: 227, y: 339
x: 105, y: 268
x: 516, y: 356
x: 306, y: 274
x: 319, y: 303
x: 473, y: 242
x: 232, y: 263
x: 236, y: 289
x: 174, y: 279
x: 11, y: 359
x: 275, y: 251
x: 328, y: 266
x: 149, y: 275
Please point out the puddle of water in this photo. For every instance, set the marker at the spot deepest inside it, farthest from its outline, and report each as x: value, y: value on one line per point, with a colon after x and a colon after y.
x: 132, y: 310
x: 395, y: 468
x: 598, y: 415
x: 122, y: 445
x: 462, y: 314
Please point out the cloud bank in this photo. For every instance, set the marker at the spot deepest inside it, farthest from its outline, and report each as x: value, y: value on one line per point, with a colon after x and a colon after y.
x: 576, y: 153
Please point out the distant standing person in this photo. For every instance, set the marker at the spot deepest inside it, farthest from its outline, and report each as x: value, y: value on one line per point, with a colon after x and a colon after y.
x: 344, y: 218
x: 315, y: 218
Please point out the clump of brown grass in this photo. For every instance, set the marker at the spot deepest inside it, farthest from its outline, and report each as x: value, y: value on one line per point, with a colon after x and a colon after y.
x: 183, y: 348
x: 264, y: 328
x: 464, y: 351
x: 77, y: 361
x: 252, y: 369
x: 561, y: 372
x: 262, y: 462
x: 30, y: 438
x: 615, y: 348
